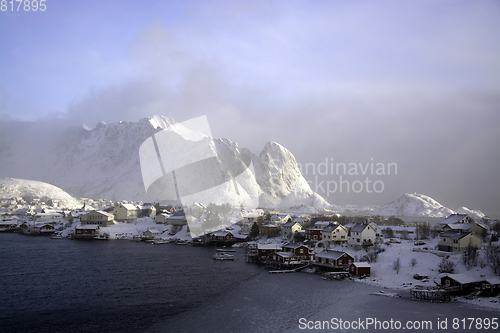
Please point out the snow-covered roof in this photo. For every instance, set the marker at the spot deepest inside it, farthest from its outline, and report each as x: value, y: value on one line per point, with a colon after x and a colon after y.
x: 269, y: 246
x: 286, y: 254
x: 322, y: 223
x: 454, y: 234
x: 289, y: 224
x: 359, y: 227
x: 88, y: 226
x: 461, y: 226
x: 129, y: 206
x: 361, y: 264
x: 331, y: 228
x: 292, y: 246
x: 461, y: 278
x: 330, y: 254
x: 453, y: 218
x: 221, y: 233
x: 493, y: 280
x: 349, y: 225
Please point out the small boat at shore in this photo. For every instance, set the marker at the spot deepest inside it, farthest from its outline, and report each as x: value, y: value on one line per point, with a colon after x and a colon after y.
x: 160, y: 241
x: 58, y: 236
x: 223, y: 256
x: 182, y: 242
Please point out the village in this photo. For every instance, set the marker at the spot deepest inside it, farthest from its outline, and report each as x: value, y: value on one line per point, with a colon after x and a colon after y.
x: 455, y: 258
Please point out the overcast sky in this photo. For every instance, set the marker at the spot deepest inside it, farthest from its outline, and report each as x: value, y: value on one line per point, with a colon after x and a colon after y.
x: 413, y: 83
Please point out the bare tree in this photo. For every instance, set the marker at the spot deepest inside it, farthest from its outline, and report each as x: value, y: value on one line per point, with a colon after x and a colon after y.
x: 413, y: 262
x: 447, y: 266
x: 397, y: 265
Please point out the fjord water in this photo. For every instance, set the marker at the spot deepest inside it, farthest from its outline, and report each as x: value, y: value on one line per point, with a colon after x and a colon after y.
x: 119, y: 286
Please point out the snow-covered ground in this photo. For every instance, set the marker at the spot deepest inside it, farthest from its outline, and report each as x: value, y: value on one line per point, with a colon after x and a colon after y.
x: 427, y: 264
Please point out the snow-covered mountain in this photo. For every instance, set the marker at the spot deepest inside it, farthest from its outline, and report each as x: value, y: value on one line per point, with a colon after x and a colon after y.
x: 419, y: 205
x: 104, y: 163
x: 21, y: 188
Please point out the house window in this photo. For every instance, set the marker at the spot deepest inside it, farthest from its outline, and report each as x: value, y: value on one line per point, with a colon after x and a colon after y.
x: 340, y: 262
x: 358, y: 240
x: 301, y: 250
x: 447, y: 283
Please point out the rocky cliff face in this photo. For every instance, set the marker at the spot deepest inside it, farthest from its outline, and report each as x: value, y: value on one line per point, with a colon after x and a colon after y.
x: 104, y: 163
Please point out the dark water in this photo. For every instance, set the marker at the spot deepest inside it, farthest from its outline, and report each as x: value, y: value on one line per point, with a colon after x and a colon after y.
x: 52, y: 285
x: 112, y: 286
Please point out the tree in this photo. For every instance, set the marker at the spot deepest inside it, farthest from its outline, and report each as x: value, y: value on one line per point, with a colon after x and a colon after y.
x: 423, y: 231
x: 413, y: 262
x: 469, y: 256
x: 397, y: 265
x: 446, y: 266
x: 254, y: 231
x: 493, y: 257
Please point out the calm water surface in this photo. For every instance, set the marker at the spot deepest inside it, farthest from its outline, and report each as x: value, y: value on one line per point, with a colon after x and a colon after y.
x: 119, y: 286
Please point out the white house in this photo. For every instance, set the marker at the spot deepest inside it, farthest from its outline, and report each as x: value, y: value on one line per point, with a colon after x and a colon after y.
x: 290, y: 228
x: 125, y: 212
x: 364, y: 234
x: 99, y: 217
x: 334, y: 233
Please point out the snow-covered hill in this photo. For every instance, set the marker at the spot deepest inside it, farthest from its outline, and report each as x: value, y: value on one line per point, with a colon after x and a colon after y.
x: 419, y: 205
x: 22, y: 188
x: 104, y: 163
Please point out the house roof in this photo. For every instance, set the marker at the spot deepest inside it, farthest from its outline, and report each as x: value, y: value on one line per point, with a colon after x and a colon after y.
x: 493, y: 280
x: 292, y: 246
x: 221, y: 233
x: 330, y: 254
x: 289, y: 224
x: 286, y: 254
x: 323, y: 223
x: 460, y: 226
x: 359, y: 227
x: 269, y: 246
x: 453, y: 218
x: 361, y: 264
x: 349, y: 225
x: 100, y: 212
x: 331, y: 228
x: 455, y: 234
x: 88, y: 226
x: 460, y: 278
x: 129, y: 206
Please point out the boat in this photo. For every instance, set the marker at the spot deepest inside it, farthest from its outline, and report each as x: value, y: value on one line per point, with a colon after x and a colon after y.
x: 136, y: 238
x: 223, y: 256
x: 182, y: 242
x: 225, y: 250
x: 58, y: 236
x: 160, y: 241
x: 101, y: 237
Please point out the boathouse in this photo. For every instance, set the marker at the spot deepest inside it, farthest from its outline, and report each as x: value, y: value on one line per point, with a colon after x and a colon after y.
x: 360, y: 268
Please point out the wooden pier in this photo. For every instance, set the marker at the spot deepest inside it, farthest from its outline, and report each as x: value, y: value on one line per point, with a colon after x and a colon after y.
x: 430, y: 294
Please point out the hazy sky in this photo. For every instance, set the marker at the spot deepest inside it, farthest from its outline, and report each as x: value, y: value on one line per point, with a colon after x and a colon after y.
x: 413, y: 83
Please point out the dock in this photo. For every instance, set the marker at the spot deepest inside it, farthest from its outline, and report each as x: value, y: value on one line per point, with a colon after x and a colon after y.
x: 430, y: 294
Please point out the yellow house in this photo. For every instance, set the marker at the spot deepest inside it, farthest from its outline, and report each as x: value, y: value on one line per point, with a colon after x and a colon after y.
x: 455, y: 241
x: 335, y: 233
x: 125, y: 212
x: 98, y: 217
